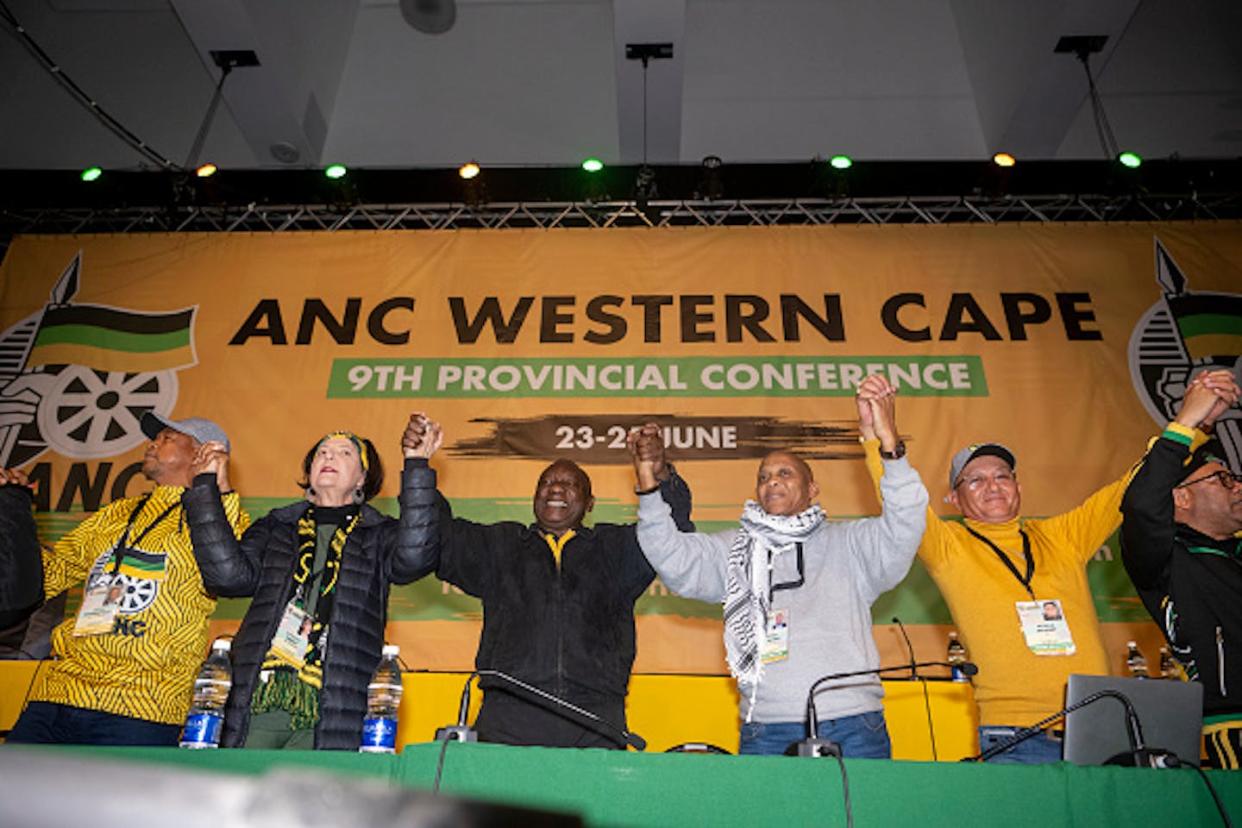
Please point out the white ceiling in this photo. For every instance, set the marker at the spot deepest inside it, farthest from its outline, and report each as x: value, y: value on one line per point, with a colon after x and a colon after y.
x: 537, y: 82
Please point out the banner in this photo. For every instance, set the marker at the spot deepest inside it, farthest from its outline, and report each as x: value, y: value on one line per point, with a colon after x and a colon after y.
x: 1069, y: 343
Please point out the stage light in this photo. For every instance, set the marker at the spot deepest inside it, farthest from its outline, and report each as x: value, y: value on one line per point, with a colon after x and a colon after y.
x: 1130, y: 159
x: 91, y: 173
x: 841, y: 162
x: 335, y: 171
x: 1004, y: 159
x: 592, y: 165
x: 468, y: 170
x: 206, y: 170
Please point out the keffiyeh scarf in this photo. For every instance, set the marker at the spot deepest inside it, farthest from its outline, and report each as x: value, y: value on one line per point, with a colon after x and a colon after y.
x: 747, y: 597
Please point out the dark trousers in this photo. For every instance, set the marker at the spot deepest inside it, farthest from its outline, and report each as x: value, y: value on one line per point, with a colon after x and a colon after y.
x: 509, y: 720
x: 49, y: 723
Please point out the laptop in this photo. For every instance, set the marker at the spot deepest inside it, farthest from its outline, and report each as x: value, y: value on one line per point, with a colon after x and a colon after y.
x: 1170, y: 713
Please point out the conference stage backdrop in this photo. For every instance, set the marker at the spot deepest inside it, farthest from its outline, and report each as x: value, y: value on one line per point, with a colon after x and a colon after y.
x: 1069, y: 343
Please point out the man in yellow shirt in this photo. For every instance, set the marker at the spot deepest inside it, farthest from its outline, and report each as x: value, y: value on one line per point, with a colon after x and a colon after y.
x: 999, y: 573
x: 125, y: 665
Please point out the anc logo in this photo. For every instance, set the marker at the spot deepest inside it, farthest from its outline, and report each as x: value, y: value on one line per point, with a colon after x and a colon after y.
x: 1184, y: 333
x: 76, y: 379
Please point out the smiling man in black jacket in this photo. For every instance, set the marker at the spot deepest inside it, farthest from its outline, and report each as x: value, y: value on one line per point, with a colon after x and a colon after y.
x: 1179, y: 542
x: 558, y: 607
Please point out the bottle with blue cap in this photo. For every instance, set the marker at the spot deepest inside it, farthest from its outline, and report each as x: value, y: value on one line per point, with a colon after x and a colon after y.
x: 211, y: 691
x: 379, y: 728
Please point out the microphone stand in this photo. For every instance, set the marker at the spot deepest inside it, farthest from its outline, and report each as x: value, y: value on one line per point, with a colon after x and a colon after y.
x: 1134, y: 731
x: 812, y: 745
x: 462, y: 733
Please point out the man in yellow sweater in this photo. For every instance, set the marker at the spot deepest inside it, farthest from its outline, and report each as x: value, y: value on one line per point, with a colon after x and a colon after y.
x: 998, y: 572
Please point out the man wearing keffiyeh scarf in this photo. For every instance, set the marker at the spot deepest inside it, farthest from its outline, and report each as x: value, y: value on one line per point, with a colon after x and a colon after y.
x: 797, y: 589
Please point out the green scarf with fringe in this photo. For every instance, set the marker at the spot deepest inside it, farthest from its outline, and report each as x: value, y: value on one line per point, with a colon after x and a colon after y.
x: 295, y: 687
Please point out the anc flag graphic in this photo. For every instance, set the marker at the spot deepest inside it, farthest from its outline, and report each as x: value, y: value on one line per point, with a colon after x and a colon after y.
x: 108, y: 339
x: 148, y: 566
x: 1210, y: 324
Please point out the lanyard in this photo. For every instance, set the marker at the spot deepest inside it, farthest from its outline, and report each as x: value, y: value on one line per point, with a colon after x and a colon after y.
x: 773, y: 588
x: 123, y: 544
x: 1026, y: 553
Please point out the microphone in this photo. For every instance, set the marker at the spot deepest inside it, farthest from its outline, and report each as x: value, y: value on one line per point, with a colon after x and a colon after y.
x: 1138, y: 753
x: 461, y: 733
x: 812, y: 745
x: 914, y: 673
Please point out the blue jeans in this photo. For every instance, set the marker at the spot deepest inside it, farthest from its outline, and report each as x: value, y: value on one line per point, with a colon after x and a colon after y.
x: 1037, y: 750
x: 864, y: 736
x: 49, y: 723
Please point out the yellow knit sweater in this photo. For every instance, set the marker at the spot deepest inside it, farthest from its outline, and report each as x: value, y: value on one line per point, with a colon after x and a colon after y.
x: 1014, y: 686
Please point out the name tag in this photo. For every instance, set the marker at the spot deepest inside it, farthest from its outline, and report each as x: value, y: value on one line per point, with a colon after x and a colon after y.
x: 1044, y: 627
x: 101, y: 602
x: 776, y: 637
x: 292, y: 638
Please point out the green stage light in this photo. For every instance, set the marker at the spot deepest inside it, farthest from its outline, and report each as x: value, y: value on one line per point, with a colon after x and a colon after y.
x: 841, y: 162
x: 592, y: 165
x: 335, y: 171
x: 1130, y: 159
x: 91, y: 173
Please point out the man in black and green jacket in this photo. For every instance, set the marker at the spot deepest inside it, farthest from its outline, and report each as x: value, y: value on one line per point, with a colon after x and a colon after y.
x: 1179, y: 542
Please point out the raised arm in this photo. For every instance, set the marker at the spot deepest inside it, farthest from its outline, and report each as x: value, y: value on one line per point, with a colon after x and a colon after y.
x: 228, y: 561
x: 418, y: 543
x: 1147, y: 527
x: 883, y: 548
x: 690, y: 564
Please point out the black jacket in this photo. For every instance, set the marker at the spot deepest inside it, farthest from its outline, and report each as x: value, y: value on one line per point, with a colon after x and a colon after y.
x: 21, y: 564
x: 1191, y: 584
x: 568, y: 630
x: 380, y: 551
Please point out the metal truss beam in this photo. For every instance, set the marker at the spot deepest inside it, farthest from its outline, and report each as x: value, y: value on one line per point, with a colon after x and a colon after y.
x: 548, y: 215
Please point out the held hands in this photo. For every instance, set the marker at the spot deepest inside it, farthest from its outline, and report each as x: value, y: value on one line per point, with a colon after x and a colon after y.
x: 14, y: 477
x: 422, y: 437
x: 1208, y: 396
x: 877, y: 417
x: 646, y: 445
x: 213, y: 458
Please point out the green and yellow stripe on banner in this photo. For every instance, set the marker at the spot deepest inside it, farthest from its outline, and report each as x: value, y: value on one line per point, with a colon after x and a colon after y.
x: 108, y: 339
x: 147, y: 566
x: 1210, y: 324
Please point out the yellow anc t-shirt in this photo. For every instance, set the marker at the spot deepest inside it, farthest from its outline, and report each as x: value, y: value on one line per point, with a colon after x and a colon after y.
x: 1015, y: 686
x: 145, y: 666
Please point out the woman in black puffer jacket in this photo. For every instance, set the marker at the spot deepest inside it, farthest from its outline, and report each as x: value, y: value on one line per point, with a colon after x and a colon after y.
x: 318, y: 572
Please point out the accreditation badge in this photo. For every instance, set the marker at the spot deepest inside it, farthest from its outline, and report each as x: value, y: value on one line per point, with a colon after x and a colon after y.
x: 292, y: 637
x: 776, y: 637
x: 1044, y: 627
x: 101, y: 601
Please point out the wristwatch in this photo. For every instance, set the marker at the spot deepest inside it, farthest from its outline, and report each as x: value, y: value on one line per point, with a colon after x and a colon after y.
x: 898, y: 452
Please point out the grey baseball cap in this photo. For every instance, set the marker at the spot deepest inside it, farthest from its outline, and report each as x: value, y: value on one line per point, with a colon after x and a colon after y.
x: 205, y: 431
x: 963, y: 457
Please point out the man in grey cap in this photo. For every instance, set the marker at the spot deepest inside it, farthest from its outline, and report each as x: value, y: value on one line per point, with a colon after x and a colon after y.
x: 999, y: 573
x: 126, y: 663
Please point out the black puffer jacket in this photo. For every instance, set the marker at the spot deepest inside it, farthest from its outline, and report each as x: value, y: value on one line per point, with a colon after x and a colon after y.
x: 380, y: 551
x: 21, y: 565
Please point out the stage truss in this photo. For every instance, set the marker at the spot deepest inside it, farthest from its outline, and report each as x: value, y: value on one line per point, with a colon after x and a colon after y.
x: 601, y: 215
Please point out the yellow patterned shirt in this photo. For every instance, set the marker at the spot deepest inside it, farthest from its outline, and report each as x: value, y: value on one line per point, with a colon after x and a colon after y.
x: 145, y: 666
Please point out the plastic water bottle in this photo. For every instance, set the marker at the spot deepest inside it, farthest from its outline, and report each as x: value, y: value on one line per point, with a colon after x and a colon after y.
x: 1135, y: 661
x: 379, y: 728
x: 1168, y: 667
x: 956, y: 657
x: 211, y: 691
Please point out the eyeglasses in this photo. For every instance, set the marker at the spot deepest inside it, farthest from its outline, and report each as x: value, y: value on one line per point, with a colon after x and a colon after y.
x: 1226, y: 478
x: 976, y: 482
